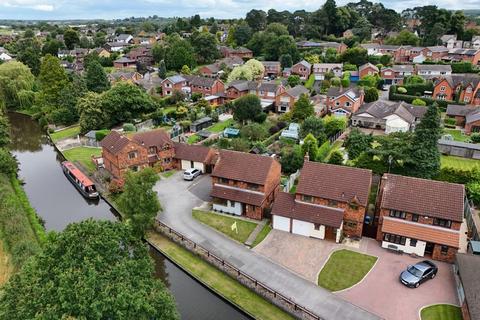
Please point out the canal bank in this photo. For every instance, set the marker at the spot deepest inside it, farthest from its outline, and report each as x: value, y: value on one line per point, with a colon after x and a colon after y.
x: 58, y: 203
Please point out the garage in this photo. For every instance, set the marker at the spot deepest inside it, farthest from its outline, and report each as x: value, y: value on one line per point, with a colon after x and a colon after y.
x: 193, y: 156
x: 281, y: 223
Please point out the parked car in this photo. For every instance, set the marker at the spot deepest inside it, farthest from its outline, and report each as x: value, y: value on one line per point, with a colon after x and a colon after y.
x: 191, y: 174
x: 418, y: 273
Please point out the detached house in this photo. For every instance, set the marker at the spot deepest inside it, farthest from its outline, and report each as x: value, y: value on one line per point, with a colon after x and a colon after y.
x: 330, y: 201
x: 285, y: 101
x: 302, y: 69
x: 124, y: 62
x: 174, y: 83
x: 195, y: 156
x: 420, y: 216
x: 269, y: 91
x: 396, y: 73
x: 320, y: 69
x: 244, y: 184
x: 465, y: 116
x: 458, y: 87
x: 240, y: 52
x: 205, y: 86
x: 238, y: 88
x: 272, y: 68
x: 464, y: 55
x: 344, y: 101
x: 367, y: 69
x: 427, y: 70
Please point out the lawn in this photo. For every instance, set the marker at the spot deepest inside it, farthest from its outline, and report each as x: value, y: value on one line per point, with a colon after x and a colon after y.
x: 457, y: 135
x: 65, y: 133
x: 265, y: 231
x: 193, y: 139
x: 224, y: 224
x: 459, y: 162
x: 6, y: 267
x: 220, y: 126
x: 345, y: 268
x: 441, y: 312
x: 219, y: 282
x: 83, y: 155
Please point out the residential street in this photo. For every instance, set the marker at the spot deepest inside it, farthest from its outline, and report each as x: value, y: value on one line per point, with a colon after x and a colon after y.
x: 177, y: 202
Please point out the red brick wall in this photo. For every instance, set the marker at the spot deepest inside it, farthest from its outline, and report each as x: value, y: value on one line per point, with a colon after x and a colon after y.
x: 233, y: 93
x: 449, y: 257
x: 367, y: 71
x: 301, y: 70
x: 469, y: 126
x: 448, y: 90
x: 354, y: 105
x: 118, y: 164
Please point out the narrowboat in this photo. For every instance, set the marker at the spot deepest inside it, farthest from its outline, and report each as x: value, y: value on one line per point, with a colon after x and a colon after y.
x: 80, y: 180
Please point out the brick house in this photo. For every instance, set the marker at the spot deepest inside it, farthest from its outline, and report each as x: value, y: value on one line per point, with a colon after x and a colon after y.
x: 269, y: 91
x: 320, y: 69
x: 238, y: 88
x: 465, y: 116
x: 204, y: 85
x: 285, y: 101
x: 468, y: 284
x: 458, y: 87
x: 367, y: 69
x: 420, y: 216
x: 142, y: 55
x: 427, y: 70
x: 302, y: 69
x: 150, y: 148
x: 435, y: 53
x: 396, y: 73
x: 245, y: 184
x: 464, y: 55
x: 344, y: 101
x: 195, y: 156
x: 239, y: 52
x: 329, y: 201
x: 173, y: 83
x: 124, y: 62
x: 130, y: 77
x: 272, y: 68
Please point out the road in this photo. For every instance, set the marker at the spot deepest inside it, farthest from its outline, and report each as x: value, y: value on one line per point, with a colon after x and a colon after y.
x: 178, y: 197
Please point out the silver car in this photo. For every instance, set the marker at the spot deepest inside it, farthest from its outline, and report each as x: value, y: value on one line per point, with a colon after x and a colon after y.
x: 191, y: 174
x: 418, y: 273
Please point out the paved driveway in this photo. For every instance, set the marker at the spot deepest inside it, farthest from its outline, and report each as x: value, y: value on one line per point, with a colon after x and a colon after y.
x: 178, y: 201
x: 380, y: 292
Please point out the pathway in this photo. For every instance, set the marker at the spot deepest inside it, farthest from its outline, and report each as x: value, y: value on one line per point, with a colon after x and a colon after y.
x: 255, y: 232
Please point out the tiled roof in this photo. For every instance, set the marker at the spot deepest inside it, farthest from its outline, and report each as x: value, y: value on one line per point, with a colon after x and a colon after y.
x: 297, y: 91
x: 245, y: 167
x: 200, y: 81
x: 468, y: 267
x: 402, y: 68
x: 352, y: 92
x: 286, y: 206
x: 434, y: 67
x: 422, y: 232
x: 421, y: 196
x: 268, y: 86
x: 244, y: 196
x: 158, y: 138
x: 380, y: 109
x: 368, y: 65
x: 195, y: 153
x: 334, y: 182
x: 460, y: 110
x: 114, y: 142
x: 175, y: 79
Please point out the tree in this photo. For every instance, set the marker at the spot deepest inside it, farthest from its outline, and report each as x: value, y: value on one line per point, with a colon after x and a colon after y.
x: 185, y: 70
x: 71, y: 38
x: 254, y: 132
x: 277, y: 46
x: 179, y: 53
x: 405, y: 37
x: 362, y: 29
x: 29, y: 53
x: 357, y: 56
x: 333, y: 125
x: 257, y: 68
x: 158, y: 52
x: 336, y: 157
x: 293, y: 80
x: 386, y: 59
x: 52, y: 78
x: 419, y: 102
x: 315, y: 126
x: 414, y: 80
x: 330, y: 11
x: 242, y: 34
x: 425, y: 156
x: 96, y: 78
x: 256, y: 19
x: 92, y: 116
x: 247, y: 108
x: 240, y: 73
x: 310, y: 146
x: 4, y: 130
x: 292, y: 159
x: 303, y: 108
x: 92, y: 268
x: 257, y: 42
x: 205, y: 47
x: 15, y: 77
x: 162, y: 70
x: 51, y: 47
x: 286, y: 61
x: 357, y: 142
x: 371, y: 95
x: 138, y: 202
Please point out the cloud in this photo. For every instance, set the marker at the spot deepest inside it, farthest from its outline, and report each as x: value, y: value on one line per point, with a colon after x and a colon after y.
x: 28, y: 4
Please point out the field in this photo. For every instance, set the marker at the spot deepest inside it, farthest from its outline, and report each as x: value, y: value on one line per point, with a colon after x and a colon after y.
x: 65, y: 133
x: 84, y: 156
x: 220, y: 126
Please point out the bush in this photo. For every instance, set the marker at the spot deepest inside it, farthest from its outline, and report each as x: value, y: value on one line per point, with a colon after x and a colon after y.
x: 260, y: 118
x: 450, y: 122
x: 323, y: 151
x: 8, y: 164
x: 129, y: 127
x: 475, y: 137
x: 401, y: 90
x: 473, y: 191
x: 419, y: 102
x: 100, y: 134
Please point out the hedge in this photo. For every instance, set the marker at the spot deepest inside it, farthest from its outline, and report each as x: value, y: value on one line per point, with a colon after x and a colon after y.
x: 100, y: 134
x: 323, y: 151
x: 394, y: 96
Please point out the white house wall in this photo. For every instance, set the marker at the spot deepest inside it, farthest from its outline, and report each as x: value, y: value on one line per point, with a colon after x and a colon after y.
x: 231, y: 207
x: 281, y: 223
x: 419, y: 249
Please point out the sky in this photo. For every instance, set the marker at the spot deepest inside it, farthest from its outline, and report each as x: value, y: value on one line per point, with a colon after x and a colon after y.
x: 110, y: 9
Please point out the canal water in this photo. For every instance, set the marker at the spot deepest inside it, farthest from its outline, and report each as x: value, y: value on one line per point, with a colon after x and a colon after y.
x: 59, y: 203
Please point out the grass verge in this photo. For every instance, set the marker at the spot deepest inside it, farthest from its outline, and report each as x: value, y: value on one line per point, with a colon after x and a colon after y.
x: 168, y: 174
x: 193, y: 139
x: 459, y: 163
x: 220, y: 126
x: 345, y: 268
x: 441, y: 312
x: 83, y: 155
x: 218, y: 281
x: 457, y: 135
x: 6, y: 267
x: 65, y: 133
x: 224, y: 224
x: 265, y: 231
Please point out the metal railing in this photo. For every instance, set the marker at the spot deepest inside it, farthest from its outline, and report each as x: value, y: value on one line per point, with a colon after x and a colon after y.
x: 239, y: 273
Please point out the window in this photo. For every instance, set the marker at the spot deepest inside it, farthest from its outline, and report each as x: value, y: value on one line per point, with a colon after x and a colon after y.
x: 393, y: 238
x: 223, y: 180
x: 442, y: 223
x: 332, y: 203
x: 413, y: 242
x: 397, y: 214
x: 152, y: 150
x: 469, y: 90
x: 353, y: 206
x: 444, y: 250
x: 350, y: 224
x: 347, y: 104
x: 337, y: 103
x: 253, y: 186
x: 316, y: 226
x: 306, y: 198
x: 415, y: 217
x: 132, y: 155
x: 467, y: 99
x: 442, y: 88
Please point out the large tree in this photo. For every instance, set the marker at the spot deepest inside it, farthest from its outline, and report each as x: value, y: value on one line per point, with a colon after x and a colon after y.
x: 96, y: 77
x: 52, y: 78
x: 205, y: 47
x: 93, y: 269
x: 316, y: 127
x: 242, y: 34
x: 179, y: 53
x: 138, y: 202
x: 303, y: 108
x: 256, y: 19
x: 357, y: 142
x: 15, y: 77
x: 92, y: 116
x: 247, y: 108
x: 71, y: 38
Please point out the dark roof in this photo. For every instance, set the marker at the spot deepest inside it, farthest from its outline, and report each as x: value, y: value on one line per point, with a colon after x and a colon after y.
x: 352, y: 92
x: 380, y: 109
x: 239, y: 195
x: 297, y: 91
x: 114, y: 142
x: 468, y: 267
x: 421, y: 196
x: 368, y: 65
x: 434, y: 67
x: 158, y: 138
x: 268, y: 86
x: 243, y: 167
x: 334, y: 182
x: 457, y: 79
x: 460, y: 110
x: 285, y: 205
x: 195, y: 153
x: 200, y: 81
x: 472, y: 116
x: 243, y: 85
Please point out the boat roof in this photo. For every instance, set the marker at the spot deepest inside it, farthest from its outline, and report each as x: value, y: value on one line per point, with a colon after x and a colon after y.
x: 78, y: 174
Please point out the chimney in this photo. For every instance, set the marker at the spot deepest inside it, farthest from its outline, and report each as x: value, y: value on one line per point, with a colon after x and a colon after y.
x: 306, y: 158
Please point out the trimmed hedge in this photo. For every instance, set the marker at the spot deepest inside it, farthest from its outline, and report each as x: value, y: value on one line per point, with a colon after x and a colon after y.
x: 394, y: 96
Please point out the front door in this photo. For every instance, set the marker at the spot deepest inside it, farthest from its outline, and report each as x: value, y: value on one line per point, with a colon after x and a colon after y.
x: 429, y: 248
x: 330, y: 233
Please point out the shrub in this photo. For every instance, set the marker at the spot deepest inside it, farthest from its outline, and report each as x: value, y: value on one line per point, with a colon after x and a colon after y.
x: 475, y: 137
x: 100, y: 134
x: 473, y: 191
x: 419, y: 102
x: 323, y: 151
x: 128, y: 127
x: 401, y: 90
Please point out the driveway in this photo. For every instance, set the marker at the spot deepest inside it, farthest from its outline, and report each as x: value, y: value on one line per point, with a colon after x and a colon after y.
x: 380, y: 292
x: 178, y: 201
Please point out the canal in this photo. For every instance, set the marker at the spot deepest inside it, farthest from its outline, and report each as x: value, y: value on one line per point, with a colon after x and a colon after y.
x: 59, y: 203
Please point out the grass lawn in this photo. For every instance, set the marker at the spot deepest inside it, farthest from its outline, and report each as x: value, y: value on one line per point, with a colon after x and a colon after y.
x: 193, y: 139
x: 65, y: 133
x: 224, y: 224
x: 345, y: 268
x: 218, y: 281
x: 458, y: 162
x: 265, y: 231
x: 83, y: 155
x: 168, y: 174
x: 441, y: 312
x: 6, y: 267
x: 220, y: 126
x: 457, y: 135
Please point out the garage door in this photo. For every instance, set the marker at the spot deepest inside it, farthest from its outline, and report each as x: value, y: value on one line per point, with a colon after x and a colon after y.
x: 281, y: 223
x: 302, y: 227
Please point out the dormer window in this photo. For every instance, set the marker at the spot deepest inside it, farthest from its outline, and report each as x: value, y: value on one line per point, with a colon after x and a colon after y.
x: 307, y: 198
x: 152, y: 150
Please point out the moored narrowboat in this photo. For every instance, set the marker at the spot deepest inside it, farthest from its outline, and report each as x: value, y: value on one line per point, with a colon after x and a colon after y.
x: 80, y: 180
